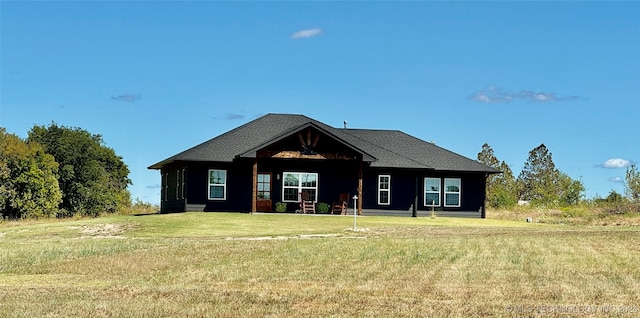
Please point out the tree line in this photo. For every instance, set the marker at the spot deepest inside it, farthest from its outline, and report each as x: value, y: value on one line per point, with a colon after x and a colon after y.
x: 541, y: 184
x: 60, y: 171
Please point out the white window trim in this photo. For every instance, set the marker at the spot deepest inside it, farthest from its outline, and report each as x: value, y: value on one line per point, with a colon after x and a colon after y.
x: 380, y: 190
x: 166, y: 186
x: 300, y: 187
x: 178, y: 184
x: 424, y: 183
x: 224, y: 185
x: 459, y: 193
x: 183, y: 183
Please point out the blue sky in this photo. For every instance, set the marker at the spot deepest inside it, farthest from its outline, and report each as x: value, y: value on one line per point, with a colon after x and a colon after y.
x: 155, y: 78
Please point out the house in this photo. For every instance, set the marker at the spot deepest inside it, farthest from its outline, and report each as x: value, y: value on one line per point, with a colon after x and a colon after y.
x: 277, y: 157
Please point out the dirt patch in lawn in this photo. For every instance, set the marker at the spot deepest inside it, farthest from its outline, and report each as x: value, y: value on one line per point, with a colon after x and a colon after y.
x: 108, y: 230
x: 293, y: 237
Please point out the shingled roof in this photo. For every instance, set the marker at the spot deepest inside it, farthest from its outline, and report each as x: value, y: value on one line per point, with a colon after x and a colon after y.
x: 382, y: 148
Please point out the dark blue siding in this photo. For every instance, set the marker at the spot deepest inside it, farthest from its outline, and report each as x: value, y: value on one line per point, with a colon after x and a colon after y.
x: 403, y: 189
x: 334, y: 177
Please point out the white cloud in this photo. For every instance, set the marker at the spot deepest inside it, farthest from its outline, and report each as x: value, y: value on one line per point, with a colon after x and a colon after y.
x: 307, y: 33
x: 616, y: 180
x: 482, y: 98
x: 493, y: 95
x: 616, y: 163
x: 496, y: 95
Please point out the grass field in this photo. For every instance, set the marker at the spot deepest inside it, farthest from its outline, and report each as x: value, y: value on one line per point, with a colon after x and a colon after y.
x: 268, y: 265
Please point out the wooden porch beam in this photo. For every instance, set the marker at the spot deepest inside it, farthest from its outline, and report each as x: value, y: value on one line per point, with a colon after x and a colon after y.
x: 483, y: 214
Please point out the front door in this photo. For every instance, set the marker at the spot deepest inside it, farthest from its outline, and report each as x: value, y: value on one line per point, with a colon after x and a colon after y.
x: 264, y: 192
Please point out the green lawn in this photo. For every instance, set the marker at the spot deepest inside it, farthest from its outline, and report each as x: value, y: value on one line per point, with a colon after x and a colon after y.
x: 231, y: 265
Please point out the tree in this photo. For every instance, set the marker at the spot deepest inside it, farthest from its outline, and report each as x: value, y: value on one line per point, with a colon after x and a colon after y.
x: 536, y: 180
x: 632, y: 184
x: 614, y: 197
x: 93, y: 178
x: 505, y: 195
x: 487, y: 157
x: 543, y: 184
x: 571, y: 192
x: 500, y: 188
x: 28, y: 182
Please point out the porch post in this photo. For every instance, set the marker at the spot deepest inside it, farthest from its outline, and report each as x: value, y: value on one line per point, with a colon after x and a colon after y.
x: 254, y: 187
x: 483, y: 214
x: 360, y: 187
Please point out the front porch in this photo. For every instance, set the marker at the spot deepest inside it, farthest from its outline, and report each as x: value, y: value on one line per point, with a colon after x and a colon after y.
x: 308, y: 161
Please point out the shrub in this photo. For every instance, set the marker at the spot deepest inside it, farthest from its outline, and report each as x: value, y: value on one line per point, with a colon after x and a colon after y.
x: 322, y: 207
x: 139, y: 207
x: 281, y: 207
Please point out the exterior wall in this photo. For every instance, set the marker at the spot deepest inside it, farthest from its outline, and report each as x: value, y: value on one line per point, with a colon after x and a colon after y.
x: 403, y: 189
x: 195, y: 196
x: 474, y: 192
x: 238, y: 188
x: 172, y: 196
x: 334, y: 177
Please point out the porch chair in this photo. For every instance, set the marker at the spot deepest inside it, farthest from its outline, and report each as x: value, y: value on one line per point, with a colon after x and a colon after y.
x: 306, y: 205
x: 340, y: 206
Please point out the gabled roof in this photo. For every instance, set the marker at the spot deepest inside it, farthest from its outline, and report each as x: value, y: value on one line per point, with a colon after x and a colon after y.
x: 383, y: 148
x: 250, y: 137
x: 396, y: 149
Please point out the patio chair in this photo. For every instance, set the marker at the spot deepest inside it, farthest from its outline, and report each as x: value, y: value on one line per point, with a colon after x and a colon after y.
x: 306, y: 205
x: 340, y: 206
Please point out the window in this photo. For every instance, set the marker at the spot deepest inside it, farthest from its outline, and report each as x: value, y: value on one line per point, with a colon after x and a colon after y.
x: 217, y: 184
x: 432, y: 191
x: 264, y: 186
x: 452, y: 192
x: 297, y: 182
x: 384, y: 189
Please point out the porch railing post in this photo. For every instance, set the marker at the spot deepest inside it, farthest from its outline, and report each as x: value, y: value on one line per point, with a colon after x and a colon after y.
x: 355, y: 212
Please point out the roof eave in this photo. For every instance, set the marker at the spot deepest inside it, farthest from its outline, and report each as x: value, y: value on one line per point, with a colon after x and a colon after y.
x: 159, y: 165
x: 164, y: 163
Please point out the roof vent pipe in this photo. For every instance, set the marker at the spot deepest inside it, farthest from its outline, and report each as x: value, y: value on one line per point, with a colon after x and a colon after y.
x: 345, y: 124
